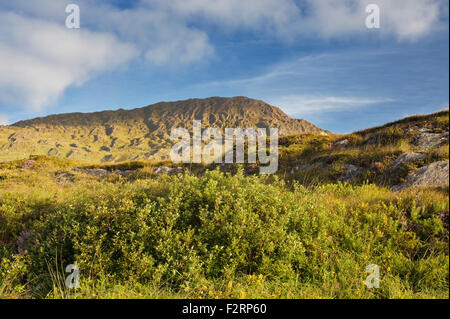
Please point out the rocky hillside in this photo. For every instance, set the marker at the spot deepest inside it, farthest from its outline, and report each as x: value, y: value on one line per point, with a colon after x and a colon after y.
x: 407, y: 153
x: 142, y: 133
x: 411, y: 152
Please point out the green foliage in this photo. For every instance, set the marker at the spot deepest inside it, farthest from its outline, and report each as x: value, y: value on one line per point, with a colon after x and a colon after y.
x: 373, y: 150
x: 434, y: 120
x: 224, y: 236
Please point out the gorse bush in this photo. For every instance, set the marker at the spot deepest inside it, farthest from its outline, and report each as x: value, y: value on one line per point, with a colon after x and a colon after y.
x: 226, y: 236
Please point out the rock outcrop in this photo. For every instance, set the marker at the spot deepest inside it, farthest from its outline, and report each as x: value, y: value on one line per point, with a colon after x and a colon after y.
x: 407, y: 158
x: 431, y: 140
x: 102, y: 173
x: 168, y: 170
x: 351, y: 172
x: 435, y: 174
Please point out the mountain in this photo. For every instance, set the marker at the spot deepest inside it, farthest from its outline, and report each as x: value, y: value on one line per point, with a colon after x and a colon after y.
x: 142, y: 133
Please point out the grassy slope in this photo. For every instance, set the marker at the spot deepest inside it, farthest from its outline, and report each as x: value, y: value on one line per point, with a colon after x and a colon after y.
x: 229, y: 236
x: 218, y: 236
x: 374, y: 150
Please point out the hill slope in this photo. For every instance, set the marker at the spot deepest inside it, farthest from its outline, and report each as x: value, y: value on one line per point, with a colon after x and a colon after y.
x: 413, y: 151
x: 199, y: 233
x: 142, y: 133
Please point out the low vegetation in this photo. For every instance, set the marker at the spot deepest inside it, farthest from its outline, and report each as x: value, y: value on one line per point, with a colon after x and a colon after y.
x: 225, y: 232
x: 217, y: 236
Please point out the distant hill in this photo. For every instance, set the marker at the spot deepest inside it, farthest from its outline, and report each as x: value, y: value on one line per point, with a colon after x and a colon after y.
x: 142, y: 133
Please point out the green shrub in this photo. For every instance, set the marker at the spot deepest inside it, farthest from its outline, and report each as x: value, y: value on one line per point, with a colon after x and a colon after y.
x: 226, y: 236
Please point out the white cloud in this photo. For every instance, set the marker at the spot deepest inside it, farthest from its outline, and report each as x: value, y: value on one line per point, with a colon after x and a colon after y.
x: 268, y: 16
x: 285, y: 70
x: 4, y: 120
x: 410, y: 19
x: 405, y: 19
x: 304, y: 105
x: 39, y: 59
x: 164, y: 39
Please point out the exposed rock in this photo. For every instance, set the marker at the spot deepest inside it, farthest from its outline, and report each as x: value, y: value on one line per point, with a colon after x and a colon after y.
x: 43, y: 142
x: 109, y: 129
x: 178, y: 170
x: 107, y: 158
x: 99, y: 172
x: 122, y: 173
x: 105, y: 148
x: 411, y: 130
x: 341, y: 143
x: 407, y: 158
x: 53, y: 152
x: 351, y: 172
x: 168, y: 170
x: 303, y: 167
x: 321, y: 164
x: 162, y: 170
x: 431, y: 140
x: 435, y: 174
x: 64, y: 177
x: 71, y: 153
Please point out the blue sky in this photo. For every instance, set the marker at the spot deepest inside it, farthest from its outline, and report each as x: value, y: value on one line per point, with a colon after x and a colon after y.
x: 314, y: 59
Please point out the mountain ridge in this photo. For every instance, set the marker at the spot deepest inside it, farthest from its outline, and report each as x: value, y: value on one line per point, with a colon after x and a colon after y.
x: 139, y: 133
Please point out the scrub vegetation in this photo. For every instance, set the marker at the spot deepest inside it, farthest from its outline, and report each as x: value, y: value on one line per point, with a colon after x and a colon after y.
x: 226, y: 232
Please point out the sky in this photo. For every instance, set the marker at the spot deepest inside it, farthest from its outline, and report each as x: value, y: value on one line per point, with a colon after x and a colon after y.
x: 315, y: 59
